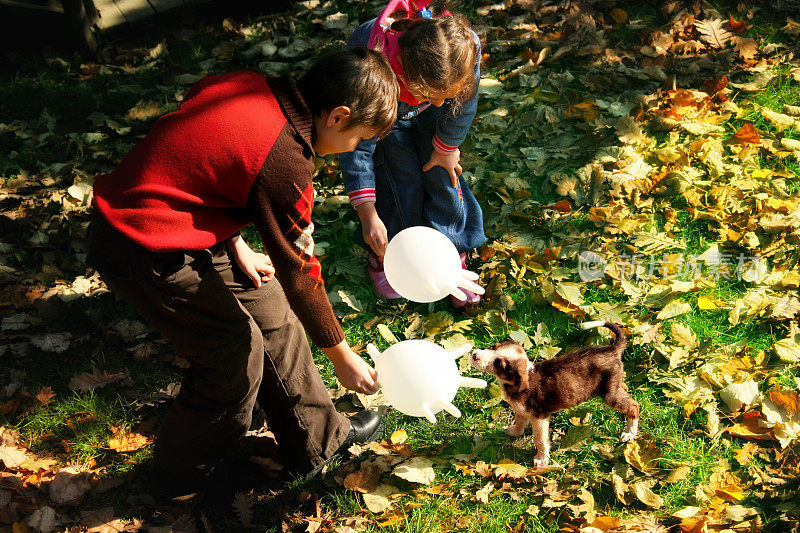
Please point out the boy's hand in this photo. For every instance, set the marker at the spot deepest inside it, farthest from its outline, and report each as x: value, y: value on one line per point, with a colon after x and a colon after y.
x: 449, y: 162
x: 257, y: 266
x: 353, y: 372
x: 373, y: 228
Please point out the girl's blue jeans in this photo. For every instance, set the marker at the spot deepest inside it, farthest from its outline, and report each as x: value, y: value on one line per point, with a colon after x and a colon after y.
x: 406, y: 196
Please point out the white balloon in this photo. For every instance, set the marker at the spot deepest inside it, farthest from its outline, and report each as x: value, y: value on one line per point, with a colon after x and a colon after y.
x: 420, y: 378
x: 423, y: 265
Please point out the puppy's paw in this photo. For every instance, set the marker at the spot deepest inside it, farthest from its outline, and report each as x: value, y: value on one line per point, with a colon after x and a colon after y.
x: 627, y: 436
x: 541, y: 460
x: 514, y: 430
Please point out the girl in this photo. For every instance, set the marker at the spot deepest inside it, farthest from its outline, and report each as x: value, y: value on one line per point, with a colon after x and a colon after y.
x: 412, y: 177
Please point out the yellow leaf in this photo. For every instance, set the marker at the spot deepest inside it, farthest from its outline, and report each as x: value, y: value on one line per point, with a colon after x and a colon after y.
x: 604, y: 523
x: 642, y: 454
x: 127, y: 442
x: 391, y: 519
x: 704, y: 302
x: 695, y: 524
x: 730, y: 493
x: 744, y: 454
x: 386, y: 333
x: 399, y: 436
x: 507, y: 468
x: 761, y: 173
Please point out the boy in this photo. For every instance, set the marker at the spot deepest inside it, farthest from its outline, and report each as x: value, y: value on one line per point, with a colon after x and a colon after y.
x: 165, y: 237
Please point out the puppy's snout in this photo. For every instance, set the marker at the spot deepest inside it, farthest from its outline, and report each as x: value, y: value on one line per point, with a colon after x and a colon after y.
x: 475, y: 359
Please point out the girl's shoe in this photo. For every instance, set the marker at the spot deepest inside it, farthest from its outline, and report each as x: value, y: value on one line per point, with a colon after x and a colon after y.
x: 472, y: 299
x: 378, y: 277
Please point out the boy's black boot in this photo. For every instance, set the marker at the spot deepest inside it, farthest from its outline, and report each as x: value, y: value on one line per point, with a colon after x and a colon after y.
x: 366, y: 426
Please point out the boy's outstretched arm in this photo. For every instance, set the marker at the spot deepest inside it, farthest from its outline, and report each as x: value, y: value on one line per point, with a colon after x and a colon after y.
x: 352, y: 371
x: 280, y: 203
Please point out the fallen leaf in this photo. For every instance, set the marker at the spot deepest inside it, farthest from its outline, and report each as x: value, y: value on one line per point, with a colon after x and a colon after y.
x: 387, y: 334
x: 787, y: 350
x: 43, y: 520
x: 748, y: 134
x: 365, y: 480
x: 399, y: 437
x: 619, y: 15
x: 102, y: 521
x: 750, y: 429
x: 737, y: 26
x: 642, y: 454
x: 68, y: 486
x: 97, y: 379
x: 483, y: 494
x: 789, y: 400
x: 730, y: 493
x: 12, y: 456
x: 509, y: 469
x: 416, y: 470
x: 745, y: 454
x: 677, y: 474
x: 713, y: 33
x: 45, y: 395
x: 673, y: 309
x: 145, y: 110
x: 604, y: 523
x: 683, y: 335
x: 52, y: 342
x: 694, y: 524
x: 645, y: 495
x: 123, y: 442
x: 738, y: 395
x: 378, y: 501
x: 706, y: 302
x: 243, y: 507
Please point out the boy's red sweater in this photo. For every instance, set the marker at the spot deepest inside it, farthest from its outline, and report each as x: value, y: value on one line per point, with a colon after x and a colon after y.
x: 238, y: 150
x: 184, y: 186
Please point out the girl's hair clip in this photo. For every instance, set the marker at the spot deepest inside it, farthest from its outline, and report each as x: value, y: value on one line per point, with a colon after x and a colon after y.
x: 387, y: 23
x: 425, y: 13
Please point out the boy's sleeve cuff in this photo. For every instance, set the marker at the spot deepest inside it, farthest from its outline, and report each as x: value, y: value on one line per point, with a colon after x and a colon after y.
x: 441, y: 147
x: 362, y: 196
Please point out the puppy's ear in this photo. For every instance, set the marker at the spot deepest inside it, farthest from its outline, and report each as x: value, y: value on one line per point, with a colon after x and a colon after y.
x: 503, y: 369
x: 513, y: 372
x: 522, y: 369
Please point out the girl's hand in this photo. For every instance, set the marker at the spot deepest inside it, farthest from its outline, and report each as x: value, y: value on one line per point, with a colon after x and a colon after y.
x: 353, y: 372
x: 257, y: 266
x: 449, y: 162
x: 373, y: 228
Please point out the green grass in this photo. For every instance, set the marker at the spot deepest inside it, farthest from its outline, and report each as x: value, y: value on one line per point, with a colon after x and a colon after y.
x: 83, y: 420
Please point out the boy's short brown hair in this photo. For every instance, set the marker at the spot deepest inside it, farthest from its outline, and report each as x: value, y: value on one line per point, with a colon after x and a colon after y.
x: 358, y: 78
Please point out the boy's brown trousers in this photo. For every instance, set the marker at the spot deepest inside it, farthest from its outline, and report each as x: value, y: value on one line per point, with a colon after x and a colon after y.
x: 244, y: 345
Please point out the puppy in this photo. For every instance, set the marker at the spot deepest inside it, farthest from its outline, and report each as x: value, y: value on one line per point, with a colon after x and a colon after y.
x: 537, y: 390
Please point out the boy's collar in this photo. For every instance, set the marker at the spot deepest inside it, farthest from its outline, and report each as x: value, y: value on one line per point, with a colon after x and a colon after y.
x: 294, y: 107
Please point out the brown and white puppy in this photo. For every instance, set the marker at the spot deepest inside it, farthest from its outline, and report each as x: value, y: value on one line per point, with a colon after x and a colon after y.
x: 537, y: 390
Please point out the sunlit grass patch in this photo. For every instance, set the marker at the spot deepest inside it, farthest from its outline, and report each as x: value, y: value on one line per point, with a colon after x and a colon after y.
x: 79, y: 422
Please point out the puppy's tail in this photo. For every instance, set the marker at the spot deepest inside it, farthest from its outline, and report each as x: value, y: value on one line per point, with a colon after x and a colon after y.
x: 621, y: 340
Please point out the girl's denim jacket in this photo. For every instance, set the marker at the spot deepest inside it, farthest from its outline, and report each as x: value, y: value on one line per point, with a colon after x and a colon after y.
x: 451, y: 129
